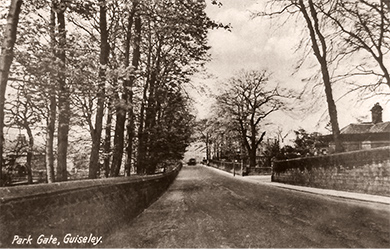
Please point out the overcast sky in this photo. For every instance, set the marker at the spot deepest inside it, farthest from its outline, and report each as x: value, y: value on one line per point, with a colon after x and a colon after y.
x: 261, y: 43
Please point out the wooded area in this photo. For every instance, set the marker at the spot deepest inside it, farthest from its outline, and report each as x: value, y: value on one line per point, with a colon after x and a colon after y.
x: 114, y: 68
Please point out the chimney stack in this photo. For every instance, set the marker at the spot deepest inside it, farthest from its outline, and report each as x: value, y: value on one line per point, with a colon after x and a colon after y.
x: 376, y: 114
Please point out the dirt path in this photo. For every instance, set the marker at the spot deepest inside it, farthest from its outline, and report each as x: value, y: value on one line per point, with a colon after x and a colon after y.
x: 206, y: 209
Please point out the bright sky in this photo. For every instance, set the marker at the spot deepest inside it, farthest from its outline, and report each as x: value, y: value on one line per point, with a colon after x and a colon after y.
x: 261, y: 43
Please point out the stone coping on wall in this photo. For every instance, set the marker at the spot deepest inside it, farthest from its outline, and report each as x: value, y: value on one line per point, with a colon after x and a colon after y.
x: 35, y: 190
x: 76, y: 207
x: 344, y: 159
x: 340, y: 154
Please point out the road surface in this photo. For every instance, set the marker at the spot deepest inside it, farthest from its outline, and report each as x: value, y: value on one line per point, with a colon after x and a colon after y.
x: 204, y: 208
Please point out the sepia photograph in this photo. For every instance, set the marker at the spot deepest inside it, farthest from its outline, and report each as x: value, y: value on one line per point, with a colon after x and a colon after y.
x: 195, y: 123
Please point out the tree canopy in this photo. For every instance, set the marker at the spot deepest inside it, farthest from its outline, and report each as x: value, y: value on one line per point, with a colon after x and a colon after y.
x: 116, y: 67
x: 248, y: 100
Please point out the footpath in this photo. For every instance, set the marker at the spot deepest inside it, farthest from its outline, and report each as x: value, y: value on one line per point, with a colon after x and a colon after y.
x: 266, y: 179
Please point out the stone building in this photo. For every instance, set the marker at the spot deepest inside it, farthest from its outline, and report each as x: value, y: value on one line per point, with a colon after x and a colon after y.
x: 366, y: 135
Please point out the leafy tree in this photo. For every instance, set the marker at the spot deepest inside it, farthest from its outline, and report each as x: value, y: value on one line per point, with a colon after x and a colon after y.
x: 171, y: 134
x: 6, y: 57
x: 127, y: 96
x: 135, y: 66
x: 271, y: 151
x: 24, y: 114
x: 52, y: 106
x: 104, y: 55
x: 173, y: 53
x: 224, y: 136
x: 129, y: 59
x: 38, y: 62
x: 54, y: 68
x: 64, y: 111
x: 99, y: 22
x: 307, y: 143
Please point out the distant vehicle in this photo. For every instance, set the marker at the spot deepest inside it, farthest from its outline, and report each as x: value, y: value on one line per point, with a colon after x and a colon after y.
x: 192, y: 161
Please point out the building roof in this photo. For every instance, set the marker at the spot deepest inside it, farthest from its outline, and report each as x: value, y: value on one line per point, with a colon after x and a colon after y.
x: 366, y: 128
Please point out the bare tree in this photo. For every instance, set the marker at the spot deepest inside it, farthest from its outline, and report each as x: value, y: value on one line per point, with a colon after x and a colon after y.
x: 365, y: 25
x: 320, y: 40
x: 249, y: 101
x: 320, y: 49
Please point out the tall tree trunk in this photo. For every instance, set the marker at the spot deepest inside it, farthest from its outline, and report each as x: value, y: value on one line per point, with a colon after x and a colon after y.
x: 141, y: 153
x: 129, y: 138
x: 114, y: 170
x: 118, y: 142
x: 97, y: 131
x: 141, y: 139
x: 245, y: 144
x: 320, y: 51
x: 6, y: 58
x: 63, y: 100
x: 252, y: 157
x: 207, y: 148
x: 29, y: 153
x: 94, y: 156
x: 107, y: 140
x: 135, y: 64
x: 50, y: 139
x: 151, y: 112
x: 121, y: 112
x: 252, y: 151
x: 51, y: 119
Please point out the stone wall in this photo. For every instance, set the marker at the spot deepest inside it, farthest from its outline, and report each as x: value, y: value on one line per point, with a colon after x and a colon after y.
x: 75, y: 209
x: 236, y: 168
x: 368, y: 172
x: 232, y: 167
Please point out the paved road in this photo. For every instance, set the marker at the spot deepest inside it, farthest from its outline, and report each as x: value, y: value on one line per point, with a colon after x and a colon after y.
x: 204, y: 208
